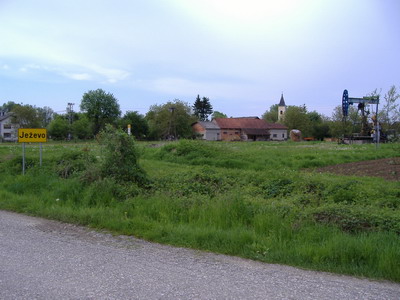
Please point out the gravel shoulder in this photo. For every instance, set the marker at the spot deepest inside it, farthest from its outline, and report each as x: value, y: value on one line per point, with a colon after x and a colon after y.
x: 43, y: 259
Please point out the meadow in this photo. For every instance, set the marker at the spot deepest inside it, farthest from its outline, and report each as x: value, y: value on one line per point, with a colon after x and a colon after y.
x: 259, y: 200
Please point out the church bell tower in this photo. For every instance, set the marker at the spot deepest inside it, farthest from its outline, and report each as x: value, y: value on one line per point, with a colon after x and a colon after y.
x: 281, y: 109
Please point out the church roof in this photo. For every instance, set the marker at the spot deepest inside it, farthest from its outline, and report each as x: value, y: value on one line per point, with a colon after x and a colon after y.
x: 282, y: 102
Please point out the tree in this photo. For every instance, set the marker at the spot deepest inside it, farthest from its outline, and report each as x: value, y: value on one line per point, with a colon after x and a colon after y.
x: 271, y: 115
x: 58, y: 128
x: 319, y: 125
x: 101, y: 108
x: 7, y: 107
x: 390, y: 114
x: 340, y: 126
x: 82, y: 128
x: 296, y: 118
x: 26, y: 116
x: 171, y: 120
x: 139, y: 125
x: 45, y: 115
x: 202, y: 108
x: 217, y: 114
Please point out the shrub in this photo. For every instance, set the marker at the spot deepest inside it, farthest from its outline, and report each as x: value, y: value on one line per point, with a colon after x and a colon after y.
x: 278, y: 187
x: 357, y: 219
x: 73, y: 162
x: 120, y: 156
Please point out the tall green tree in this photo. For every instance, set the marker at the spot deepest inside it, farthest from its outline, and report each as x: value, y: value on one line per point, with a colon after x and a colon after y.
x: 390, y: 113
x: 26, y: 116
x: 45, y: 115
x: 217, y: 114
x: 82, y: 127
x: 202, y: 108
x: 170, y: 121
x: 271, y: 115
x: 139, y: 125
x: 58, y: 128
x: 340, y: 126
x: 7, y: 107
x: 101, y: 108
x: 296, y: 118
x: 319, y: 125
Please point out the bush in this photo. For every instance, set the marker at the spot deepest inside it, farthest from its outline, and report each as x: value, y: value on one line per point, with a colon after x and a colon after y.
x: 74, y: 162
x: 120, y: 156
x: 357, y: 219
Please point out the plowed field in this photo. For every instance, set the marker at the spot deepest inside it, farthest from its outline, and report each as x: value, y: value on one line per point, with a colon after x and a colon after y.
x: 387, y: 168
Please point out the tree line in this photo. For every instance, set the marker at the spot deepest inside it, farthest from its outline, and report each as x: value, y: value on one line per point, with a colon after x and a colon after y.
x: 99, y: 108
x: 173, y: 119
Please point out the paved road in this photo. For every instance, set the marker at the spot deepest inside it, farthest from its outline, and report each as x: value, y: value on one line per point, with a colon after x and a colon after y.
x: 41, y: 259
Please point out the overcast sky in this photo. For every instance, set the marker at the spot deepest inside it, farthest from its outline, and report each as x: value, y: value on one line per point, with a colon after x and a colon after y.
x: 240, y: 54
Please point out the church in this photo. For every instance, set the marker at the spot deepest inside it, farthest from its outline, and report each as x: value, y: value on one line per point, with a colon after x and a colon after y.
x: 281, y: 109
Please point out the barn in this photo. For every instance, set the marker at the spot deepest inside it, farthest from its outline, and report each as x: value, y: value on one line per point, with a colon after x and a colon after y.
x: 240, y: 129
x: 207, y: 130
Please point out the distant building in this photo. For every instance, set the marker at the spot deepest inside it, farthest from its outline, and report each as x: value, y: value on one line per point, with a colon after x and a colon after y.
x: 7, y: 129
x: 206, y: 130
x: 240, y: 129
x: 278, y: 132
x: 243, y: 129
x: 281, y: 109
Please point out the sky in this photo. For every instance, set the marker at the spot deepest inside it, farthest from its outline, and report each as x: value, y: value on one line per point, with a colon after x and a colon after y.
x: 242, y: 55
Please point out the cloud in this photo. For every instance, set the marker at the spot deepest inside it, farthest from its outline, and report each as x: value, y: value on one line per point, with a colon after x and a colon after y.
x: 111, y: 75
x: 78, y: 76
x: 87, y: 72
x: 93, y: 73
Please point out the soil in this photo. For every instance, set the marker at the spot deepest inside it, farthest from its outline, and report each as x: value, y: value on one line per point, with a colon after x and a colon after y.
x: 387, y: 168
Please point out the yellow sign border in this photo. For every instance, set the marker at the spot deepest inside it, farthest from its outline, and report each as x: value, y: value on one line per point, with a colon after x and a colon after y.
x: 32, y: 135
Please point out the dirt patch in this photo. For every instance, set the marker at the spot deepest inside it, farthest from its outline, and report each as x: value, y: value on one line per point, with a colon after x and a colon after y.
x: 387, y: 168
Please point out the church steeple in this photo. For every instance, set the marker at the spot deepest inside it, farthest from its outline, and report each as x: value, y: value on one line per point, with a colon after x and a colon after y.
x: 281, y: 109
x: 282, y: 102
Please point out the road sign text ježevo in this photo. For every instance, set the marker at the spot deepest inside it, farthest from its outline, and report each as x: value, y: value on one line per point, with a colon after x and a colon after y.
x: 32, y: 135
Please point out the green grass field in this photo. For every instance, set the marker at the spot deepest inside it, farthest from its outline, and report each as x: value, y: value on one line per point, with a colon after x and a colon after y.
x: 258, y: 200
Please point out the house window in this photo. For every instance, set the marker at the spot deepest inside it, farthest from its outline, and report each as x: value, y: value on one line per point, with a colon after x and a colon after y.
x: 225, y: 132
x: 274, y: 135
x: 236, y: 132
x: 7, y: 126
x: 7, y: 135
x: 283, y: 135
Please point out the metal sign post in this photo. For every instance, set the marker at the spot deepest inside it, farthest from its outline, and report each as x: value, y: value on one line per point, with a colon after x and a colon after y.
x: 23, y: 158
x: 32, y: 135
x: 40, y: 154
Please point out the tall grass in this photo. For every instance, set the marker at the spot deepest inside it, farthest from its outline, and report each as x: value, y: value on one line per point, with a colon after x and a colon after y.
x: 248, y: 199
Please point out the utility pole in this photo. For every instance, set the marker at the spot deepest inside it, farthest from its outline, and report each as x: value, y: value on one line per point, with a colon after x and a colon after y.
x: 70, y: 110
x: 171, y: 127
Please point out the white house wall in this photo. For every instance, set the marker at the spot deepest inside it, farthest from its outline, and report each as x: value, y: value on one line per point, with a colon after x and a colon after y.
x: 7, y: 130
x: 278, y: 134
x: 212, y: 135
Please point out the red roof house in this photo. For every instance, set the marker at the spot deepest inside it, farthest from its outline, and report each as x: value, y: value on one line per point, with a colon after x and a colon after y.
x: 250, y: 129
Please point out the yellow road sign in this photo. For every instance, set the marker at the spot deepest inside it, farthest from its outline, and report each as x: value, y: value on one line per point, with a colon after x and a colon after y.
x: 32, y: 135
